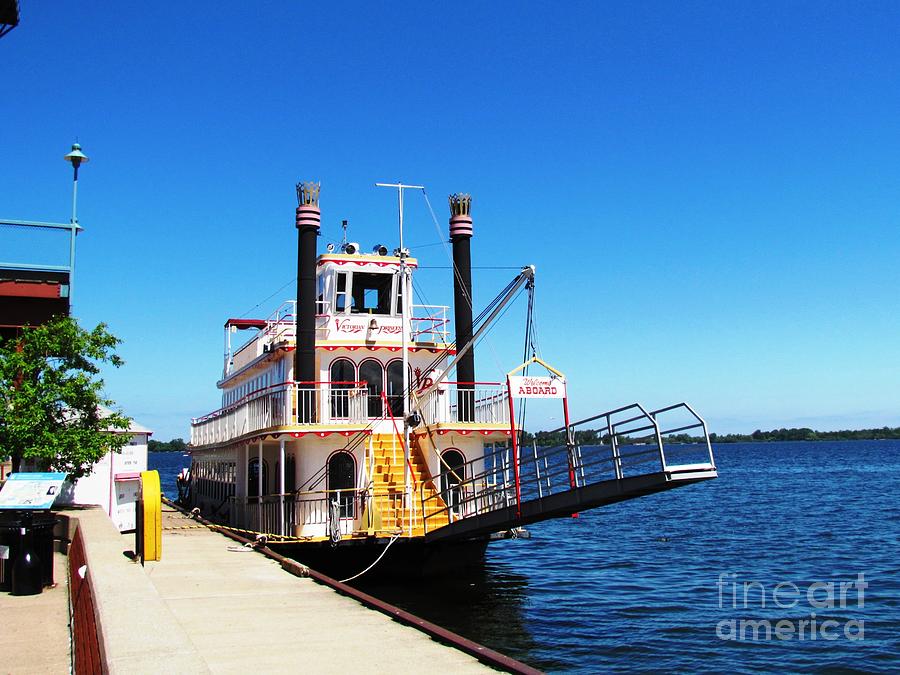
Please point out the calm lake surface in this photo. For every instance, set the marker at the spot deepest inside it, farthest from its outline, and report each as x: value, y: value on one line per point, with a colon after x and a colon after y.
x: 658, y: 583
x: 169, y: 465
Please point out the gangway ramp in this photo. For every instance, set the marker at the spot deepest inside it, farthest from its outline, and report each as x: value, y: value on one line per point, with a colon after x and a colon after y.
x: 629, y: 458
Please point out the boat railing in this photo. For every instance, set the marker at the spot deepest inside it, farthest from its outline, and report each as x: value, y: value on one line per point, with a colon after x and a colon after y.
x: 285, y: 404
x: 331, y: 403
x: 281, y: 324
x: 429, y: 323
x: 321, y: 513
x: 271, y: 514
x: 629, y: 442
x: 280, y: 328
x: 470, y: 402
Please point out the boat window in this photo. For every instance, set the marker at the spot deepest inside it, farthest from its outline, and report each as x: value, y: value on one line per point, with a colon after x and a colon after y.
x: 372, y: 373
x: 253, y: 477
x: 290, y: 475
x: 372, y: 293
x: 399, y: 310
x: 342, y: 477
x: 342, y: 370
x: 453, y: 472
x: 320, y: 297
x: 340, y: 296
x: 342, y: 375
x: 395, y: 387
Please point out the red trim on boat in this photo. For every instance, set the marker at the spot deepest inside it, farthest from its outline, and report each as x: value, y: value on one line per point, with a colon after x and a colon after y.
x: 466, y: 432
x: 377, y: 263
x: 300, y: 434
x: 374, y: 348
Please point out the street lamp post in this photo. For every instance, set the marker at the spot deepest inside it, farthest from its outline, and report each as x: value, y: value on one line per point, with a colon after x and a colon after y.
x: 77, y: 158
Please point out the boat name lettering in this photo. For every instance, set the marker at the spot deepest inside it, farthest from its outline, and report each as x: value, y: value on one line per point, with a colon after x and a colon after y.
x: 349, y: 326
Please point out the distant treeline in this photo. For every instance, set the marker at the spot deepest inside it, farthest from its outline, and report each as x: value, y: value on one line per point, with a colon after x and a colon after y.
x: 175, y: 445
x: 599, y: 436
x: 804, y: 434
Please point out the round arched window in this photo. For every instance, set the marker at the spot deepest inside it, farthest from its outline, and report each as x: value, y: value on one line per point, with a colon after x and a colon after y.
x: 395, y: 387
x: 253, y: 477
x: 342, y: 482
x: 372, y: 372
x: 453, y: 474
x: 342, y: 374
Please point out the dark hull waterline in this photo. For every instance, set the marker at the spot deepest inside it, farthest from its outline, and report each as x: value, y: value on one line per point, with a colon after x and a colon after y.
x: 404, y: 558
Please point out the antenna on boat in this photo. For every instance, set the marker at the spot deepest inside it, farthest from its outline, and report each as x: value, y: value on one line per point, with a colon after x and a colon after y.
x: 400, y: 188
x: 404, y: 314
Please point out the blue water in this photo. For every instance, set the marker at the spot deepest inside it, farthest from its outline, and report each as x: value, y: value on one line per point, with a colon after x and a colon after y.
x: 169, y: 465
x: 632, y: 587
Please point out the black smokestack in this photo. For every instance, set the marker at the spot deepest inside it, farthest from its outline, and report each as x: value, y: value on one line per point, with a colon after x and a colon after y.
x: 461, y: 236
x: 308, y: 219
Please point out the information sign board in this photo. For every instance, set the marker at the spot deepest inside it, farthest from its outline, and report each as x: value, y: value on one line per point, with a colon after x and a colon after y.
x: 31, y: 490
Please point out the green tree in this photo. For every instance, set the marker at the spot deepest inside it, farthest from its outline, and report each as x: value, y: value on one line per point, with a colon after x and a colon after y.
x: 51, y: 397
x: 175, y: 445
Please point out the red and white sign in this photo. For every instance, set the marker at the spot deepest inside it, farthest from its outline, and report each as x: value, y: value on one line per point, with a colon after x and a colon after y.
x: 537, y: 387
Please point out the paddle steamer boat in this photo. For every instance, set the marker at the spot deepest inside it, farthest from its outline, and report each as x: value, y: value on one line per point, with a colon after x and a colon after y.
x: 352, y: 420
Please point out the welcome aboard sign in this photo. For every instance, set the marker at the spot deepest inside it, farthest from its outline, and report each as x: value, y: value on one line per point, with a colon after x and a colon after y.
x: 536, y: 387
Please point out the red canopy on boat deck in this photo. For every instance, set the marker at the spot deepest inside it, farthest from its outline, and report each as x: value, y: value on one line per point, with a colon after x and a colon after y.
x: 241, y: 324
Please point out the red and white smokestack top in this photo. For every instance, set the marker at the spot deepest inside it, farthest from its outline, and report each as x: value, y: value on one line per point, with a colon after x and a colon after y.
x: 460, y: 215
x: 308, y: 213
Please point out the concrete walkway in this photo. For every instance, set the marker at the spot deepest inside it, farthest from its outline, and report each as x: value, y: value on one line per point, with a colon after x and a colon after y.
x: 34, y: 629
x: 244, y: 613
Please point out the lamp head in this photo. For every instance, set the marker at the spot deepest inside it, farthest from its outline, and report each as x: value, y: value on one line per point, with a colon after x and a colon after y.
x: 76, y: 156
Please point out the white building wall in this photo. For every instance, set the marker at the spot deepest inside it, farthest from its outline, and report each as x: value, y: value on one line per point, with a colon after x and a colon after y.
x: 107, y: 485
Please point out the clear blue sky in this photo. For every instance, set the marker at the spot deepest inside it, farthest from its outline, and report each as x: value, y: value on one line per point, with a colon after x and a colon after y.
x: 710, y: 191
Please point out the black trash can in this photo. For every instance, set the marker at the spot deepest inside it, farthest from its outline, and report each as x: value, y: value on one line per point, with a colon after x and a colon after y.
x: 41, y: 524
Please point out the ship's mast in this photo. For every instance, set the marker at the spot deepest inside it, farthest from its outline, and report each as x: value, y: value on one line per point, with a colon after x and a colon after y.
x: 404, y: 314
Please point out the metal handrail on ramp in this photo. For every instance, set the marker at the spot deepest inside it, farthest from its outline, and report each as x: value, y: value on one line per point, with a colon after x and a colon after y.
x: 629, y: 456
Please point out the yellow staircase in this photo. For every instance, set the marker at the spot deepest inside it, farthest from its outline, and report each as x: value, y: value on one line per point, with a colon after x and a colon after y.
x: 388, y: 488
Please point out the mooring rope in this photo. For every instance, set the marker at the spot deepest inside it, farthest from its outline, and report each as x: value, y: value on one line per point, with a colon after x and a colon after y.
x: 377, y: 560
